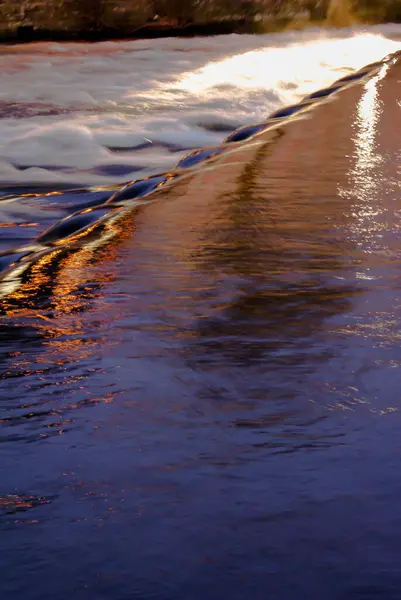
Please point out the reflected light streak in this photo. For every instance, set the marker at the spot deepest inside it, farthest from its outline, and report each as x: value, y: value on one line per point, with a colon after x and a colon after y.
x: 70, y: 281
x: 24, y: 295
x: 368, y: 112
x: 68, y: 337
x: 364, y: 174
x: 322, y: 60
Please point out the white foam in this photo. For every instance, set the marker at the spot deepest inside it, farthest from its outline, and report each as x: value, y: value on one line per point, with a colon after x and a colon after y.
x: 172, y: 92
x: 70, y: 144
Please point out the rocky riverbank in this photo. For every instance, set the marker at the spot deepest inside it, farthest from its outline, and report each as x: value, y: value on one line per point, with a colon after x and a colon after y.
x: 95, y: 20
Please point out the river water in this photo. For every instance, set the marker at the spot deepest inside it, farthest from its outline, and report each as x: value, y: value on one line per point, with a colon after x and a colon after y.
x: 204, y: 401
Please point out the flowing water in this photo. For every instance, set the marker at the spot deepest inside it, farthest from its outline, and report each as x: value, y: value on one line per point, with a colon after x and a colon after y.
x: 203, y: 401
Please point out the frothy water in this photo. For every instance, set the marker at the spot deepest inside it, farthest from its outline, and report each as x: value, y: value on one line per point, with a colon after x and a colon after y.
x: 115, y: 111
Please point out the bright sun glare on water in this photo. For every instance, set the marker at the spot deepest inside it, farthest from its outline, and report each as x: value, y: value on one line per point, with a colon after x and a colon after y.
x: 298, y: 66
x: 77, y: 103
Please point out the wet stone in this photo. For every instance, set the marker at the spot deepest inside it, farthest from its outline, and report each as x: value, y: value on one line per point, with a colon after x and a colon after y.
x: 197, y: 157
x: 245, y: 133
x: 73, y: 224
x: 354, y: 76
x: 324, y: 92
x: 287, y: 112
x: 139, y: 188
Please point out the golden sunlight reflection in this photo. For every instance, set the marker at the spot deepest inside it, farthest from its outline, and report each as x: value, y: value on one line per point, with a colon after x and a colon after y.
x: 77, y: 288
x: 363, y: 175
x: 70, y: 281
x: 368, y: 112
x: 21, y: 302
x: 59, y: 291
x: 274, y: 67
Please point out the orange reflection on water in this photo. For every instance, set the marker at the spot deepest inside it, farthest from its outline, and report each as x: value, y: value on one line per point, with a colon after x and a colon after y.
x: 21, y: 302
x: 66, y: 284
x: 63, y: 304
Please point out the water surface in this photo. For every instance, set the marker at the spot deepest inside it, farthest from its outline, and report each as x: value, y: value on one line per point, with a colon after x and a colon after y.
x: 203, y: 401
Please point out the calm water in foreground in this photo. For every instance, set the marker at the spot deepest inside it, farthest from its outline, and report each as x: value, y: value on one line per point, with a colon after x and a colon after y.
x: 205, y: 405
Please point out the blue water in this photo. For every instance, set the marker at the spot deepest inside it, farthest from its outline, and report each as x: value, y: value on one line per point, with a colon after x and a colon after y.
x: 202, y: 399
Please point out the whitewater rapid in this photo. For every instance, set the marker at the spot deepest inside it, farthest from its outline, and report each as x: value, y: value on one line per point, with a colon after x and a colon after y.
x: 98, y: 114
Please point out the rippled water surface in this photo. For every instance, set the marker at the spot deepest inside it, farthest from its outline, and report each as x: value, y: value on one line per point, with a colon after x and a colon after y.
x: 201, y: 400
